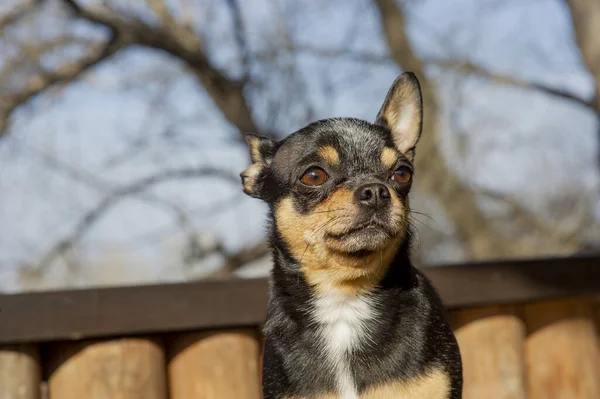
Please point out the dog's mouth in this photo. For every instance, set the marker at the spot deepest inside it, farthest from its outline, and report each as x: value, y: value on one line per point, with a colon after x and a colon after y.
x: 369, y: 225
x: 361, y: 239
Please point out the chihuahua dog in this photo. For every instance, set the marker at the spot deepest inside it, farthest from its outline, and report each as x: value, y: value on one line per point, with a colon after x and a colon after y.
x: 349, y: 316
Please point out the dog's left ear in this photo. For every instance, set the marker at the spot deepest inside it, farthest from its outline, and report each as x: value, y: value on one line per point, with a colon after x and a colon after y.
x: 262, y: 150
x: 402, y: 113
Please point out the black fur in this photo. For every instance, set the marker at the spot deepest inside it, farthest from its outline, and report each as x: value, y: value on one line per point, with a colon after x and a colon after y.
x: 411, y: 333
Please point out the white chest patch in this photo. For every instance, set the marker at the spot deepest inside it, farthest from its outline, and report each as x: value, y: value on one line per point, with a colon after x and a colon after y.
x: 343, y: 328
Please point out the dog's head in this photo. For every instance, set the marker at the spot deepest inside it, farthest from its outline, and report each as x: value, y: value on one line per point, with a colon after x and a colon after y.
x: 338, y: 187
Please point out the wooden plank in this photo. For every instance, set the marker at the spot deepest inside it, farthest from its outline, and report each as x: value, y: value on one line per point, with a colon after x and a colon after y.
x: 261, y: 352
x: 132, y: 368
x: 20, y: 372
x: 215, y: 365
x: 596, y: 304
x: 491, y: 343
x: 102, y: 312
x: 513, y: 282
x: 562, y: 350
x: 77, y: 314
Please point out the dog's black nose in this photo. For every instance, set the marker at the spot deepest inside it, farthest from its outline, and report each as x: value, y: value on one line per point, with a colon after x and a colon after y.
x: 374, y: 195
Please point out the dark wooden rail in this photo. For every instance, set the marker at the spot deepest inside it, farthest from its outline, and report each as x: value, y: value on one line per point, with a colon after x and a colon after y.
x: 202, y: 340
x: 76, y: 314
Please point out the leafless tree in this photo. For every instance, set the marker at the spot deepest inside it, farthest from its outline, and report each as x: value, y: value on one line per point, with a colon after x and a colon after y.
x: 172, y: 29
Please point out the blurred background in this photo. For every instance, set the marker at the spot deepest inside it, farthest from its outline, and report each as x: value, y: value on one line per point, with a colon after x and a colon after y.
x: 121, y: 127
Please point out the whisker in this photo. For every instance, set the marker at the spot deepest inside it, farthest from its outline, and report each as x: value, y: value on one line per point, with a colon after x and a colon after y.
x: 315, y: 232
x: 412, y: 212
x: 331, y: 210
x: 422, y: 213
x: 342, y: 217
x: 420, y: 221
x: 418, y: 235
x: 434, y: 227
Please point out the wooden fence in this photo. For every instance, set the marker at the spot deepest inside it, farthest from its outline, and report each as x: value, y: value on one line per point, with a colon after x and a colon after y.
x: 527, y: 329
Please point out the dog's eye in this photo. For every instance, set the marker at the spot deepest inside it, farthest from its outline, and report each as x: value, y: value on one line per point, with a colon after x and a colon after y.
x: 402, y: 175
x: 314, y: 177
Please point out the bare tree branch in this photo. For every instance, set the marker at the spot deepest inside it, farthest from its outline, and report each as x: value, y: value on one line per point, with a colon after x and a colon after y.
x: 40, y: 83
x: 16, y: 13
x: 226, y: 93
x: 586, y: 19
x: 135, y: 188
x: 64, y: 73
x: 178, y: 30
x: 552, y: 232
x: 173, y: 38
x: 350, y: 54
x: 463, y: 66
x: 187, y: 14
x: 290, y: 79
x: 240, y: 37
x: 30, y: 53
x: 104, y: 187
x: 233, y: 261
x: 162, y: 11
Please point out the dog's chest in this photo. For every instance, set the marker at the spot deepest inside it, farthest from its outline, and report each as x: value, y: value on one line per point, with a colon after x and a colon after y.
x: 344, y: 327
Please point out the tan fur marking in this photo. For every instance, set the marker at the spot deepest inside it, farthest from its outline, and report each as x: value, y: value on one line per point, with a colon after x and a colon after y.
x: 403, y: 205
x: 250, y: 175
x: 253, y: 171
x: 322, y: 263
x: 254, y: 145
x: 323, y: 396
x: 433, y: 385
x: 330, y: 155
x: 389, y: 156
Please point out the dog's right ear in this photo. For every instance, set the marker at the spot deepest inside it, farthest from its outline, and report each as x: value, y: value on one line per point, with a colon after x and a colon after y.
x: 262, y: 151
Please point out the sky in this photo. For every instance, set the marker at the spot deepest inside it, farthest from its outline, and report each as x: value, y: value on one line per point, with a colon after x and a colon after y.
x: 67, y: 145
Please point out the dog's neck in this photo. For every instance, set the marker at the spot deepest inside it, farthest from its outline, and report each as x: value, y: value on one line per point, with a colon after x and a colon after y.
x: 385, y: 270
